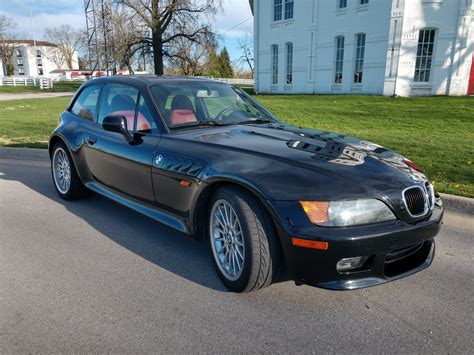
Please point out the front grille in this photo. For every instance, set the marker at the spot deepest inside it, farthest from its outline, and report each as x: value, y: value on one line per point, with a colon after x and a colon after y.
x: 406, y: 259
x: 415, y: 201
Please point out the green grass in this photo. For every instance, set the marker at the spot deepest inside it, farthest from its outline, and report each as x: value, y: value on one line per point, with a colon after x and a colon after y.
x: 435, y: 132
x: 29, y: 122
x: 59, y: 86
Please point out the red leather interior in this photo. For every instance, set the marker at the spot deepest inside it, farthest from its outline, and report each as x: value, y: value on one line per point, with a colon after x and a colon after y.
x: 142, y: 122
x: 182, y: 116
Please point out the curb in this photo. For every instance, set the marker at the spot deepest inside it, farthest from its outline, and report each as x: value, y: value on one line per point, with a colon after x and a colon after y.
x: 24, y: 154
x: 463, y: 205
x: 459, y: 204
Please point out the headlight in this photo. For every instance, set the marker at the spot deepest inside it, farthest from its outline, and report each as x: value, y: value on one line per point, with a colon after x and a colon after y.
x: 347, y: 213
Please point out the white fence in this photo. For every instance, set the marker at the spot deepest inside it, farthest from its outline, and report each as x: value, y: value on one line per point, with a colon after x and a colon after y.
x: 41, y: 82
x: 47, y: 83
x: 232, y: 81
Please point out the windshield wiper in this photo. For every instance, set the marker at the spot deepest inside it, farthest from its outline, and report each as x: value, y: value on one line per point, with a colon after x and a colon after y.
x: 255, y: 121
x: 205, y: 123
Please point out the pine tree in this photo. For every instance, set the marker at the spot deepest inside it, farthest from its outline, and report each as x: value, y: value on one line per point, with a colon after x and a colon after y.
x: 212, y: 63
x: 225, y: 65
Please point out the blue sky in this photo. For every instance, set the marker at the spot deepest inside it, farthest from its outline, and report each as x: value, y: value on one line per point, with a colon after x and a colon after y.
x: 233, y: 23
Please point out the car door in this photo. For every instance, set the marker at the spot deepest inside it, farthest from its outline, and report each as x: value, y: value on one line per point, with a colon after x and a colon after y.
x: 114, y: 162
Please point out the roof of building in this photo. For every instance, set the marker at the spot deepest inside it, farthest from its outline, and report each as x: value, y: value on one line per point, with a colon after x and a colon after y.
x: 30, y: 42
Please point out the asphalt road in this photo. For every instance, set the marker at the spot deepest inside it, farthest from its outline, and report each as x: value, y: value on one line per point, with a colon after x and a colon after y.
x: 93, y: 276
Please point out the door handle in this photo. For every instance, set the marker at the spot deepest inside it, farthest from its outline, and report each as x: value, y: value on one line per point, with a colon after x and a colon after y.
x: 91, y: 140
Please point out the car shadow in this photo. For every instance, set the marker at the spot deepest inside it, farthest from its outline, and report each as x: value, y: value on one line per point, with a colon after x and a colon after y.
x: 153, y: 241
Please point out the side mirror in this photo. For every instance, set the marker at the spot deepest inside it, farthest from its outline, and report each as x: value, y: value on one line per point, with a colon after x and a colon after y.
x: 117, y: 124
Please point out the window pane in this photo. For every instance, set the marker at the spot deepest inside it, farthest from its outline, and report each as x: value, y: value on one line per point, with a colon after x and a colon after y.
x: 289, y: 63
x: 359, y: 58
x: 289, y: 9
x: 145, y: 120
x: 274, y: 64
x: 119, y: 100
x: 339, y: 60
x: 424, y: 55
x: 277, y: 10
x: 86, y: 103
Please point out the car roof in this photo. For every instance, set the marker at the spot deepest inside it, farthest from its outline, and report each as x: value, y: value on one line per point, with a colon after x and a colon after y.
x: 145, y: 80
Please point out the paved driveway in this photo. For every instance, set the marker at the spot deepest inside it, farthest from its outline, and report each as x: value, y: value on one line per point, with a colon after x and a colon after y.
x: 93, y: 276
x: 32, y: 95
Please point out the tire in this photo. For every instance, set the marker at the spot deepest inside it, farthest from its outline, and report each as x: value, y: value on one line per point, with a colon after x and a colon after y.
x: 75, y: 189
x: 257, y: 234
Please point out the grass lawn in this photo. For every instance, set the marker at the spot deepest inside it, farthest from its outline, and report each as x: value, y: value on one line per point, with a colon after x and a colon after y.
x: 435, y: 132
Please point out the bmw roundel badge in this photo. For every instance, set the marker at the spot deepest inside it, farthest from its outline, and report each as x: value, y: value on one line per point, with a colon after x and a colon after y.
x: 159, y: 159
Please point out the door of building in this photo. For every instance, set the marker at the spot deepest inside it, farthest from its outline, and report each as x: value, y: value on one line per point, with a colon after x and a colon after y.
x: 470, y: 88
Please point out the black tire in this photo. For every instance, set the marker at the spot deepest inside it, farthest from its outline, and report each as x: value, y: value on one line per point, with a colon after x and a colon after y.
x: 261, y: 246
x: 76, y: 189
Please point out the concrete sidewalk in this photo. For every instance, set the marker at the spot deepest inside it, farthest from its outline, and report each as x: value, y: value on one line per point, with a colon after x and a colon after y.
x: 32, y: 95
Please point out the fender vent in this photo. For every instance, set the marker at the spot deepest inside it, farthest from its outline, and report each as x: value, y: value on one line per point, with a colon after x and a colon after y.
x: 179, y: 165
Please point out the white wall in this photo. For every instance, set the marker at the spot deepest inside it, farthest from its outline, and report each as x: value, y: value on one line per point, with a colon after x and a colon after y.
x: 453, y: 48
x: 391, y: 27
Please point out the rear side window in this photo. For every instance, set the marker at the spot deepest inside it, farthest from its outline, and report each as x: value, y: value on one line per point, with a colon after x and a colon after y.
x: 85, y: 105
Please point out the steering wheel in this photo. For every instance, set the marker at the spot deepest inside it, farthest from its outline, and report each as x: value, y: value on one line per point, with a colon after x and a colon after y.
x: 225, y: 112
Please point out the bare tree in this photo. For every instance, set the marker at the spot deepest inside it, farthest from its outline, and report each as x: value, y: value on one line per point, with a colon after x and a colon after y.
x: 170, y: 21
x: 67, y: 41
x: 246, y: 45
x: 127, y: 33
x: 189, y: 58
x: 7, y: 43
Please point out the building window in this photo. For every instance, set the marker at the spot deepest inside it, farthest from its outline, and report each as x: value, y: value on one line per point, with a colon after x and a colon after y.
x: 21, y: 71
x: 38, y: 53
x: 424, y: 55
x: 39, y: 61
x: 364, y: 2
x: 341, y: 4
x: 275, y: 64
x: 40, y: 71
x: 359, y: 57
x: 19, y: 61
x: 289, y: 63
x: 18, y: 53
x: 339, y: 62
x: 289, y: 9
x: 277, y: 10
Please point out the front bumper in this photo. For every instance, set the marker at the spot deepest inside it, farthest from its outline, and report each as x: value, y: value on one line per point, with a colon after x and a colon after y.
x: 395, y: 249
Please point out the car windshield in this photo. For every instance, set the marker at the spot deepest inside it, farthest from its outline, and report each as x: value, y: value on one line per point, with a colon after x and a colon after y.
x: 199, y: 104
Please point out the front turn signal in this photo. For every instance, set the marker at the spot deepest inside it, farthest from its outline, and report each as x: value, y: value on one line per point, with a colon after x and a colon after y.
x: 317, y: 211
x: 304, y: 243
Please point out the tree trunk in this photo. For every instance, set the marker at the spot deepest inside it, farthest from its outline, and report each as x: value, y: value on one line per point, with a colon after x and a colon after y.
x: 157, y: 52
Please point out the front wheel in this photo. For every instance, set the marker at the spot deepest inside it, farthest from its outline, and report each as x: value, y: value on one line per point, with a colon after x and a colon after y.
x: 65, y: 177
x: 242, y: 240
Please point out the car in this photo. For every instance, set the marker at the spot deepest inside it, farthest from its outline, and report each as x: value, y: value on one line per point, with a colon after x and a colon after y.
x: 274, y: 202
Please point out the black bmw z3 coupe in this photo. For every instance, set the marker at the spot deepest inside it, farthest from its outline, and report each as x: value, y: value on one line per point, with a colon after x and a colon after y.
x: 273, y: 201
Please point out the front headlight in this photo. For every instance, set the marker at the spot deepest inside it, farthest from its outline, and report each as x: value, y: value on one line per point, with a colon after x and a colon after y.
x: 347, y: 213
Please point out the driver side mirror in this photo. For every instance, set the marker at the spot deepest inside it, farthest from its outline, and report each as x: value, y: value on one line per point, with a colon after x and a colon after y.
x: 117, y: 124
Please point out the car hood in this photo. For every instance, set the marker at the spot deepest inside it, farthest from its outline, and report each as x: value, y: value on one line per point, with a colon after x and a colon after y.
x: 357, y: 165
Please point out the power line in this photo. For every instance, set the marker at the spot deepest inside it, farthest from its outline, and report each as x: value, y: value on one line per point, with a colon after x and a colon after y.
x: 240, y: 23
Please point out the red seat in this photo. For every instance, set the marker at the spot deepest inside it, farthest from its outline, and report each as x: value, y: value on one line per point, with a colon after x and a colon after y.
x: 182, y: 116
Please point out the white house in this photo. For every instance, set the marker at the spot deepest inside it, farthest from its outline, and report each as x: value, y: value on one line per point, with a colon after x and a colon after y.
x: 382, y: 47
x: 38, y: 58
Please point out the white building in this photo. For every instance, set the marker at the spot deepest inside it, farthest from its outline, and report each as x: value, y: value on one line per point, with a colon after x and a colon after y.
x: 38, y: 58
x: 389, y: 47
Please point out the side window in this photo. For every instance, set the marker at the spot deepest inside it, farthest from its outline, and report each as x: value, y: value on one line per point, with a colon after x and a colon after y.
x: 86, y: 104
x: 120, y: 100
x: 145, y: 120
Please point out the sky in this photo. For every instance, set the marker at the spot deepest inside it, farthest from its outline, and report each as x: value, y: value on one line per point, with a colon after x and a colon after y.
x: 233, y: 23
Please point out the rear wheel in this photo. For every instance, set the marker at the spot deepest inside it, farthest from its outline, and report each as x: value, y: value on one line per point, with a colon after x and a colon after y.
x: 65, y: 177
x: 242, y: 240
